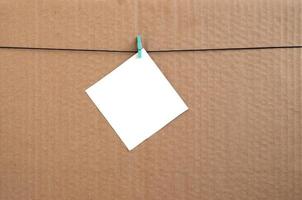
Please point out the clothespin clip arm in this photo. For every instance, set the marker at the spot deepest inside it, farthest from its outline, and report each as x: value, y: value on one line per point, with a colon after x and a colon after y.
x: 139, y: 46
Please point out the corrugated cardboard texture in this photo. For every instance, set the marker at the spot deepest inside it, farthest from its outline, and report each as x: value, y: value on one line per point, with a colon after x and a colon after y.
x: 164, y: 24
x: 241, y: 138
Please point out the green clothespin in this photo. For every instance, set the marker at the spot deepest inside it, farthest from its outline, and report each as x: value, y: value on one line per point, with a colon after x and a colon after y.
x: 139, y: 46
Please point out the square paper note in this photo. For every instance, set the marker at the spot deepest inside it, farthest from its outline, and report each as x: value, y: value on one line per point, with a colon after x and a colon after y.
x: 136, y: 99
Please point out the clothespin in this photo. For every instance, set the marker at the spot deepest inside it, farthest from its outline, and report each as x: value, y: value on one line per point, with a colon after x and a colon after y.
x: 139, y: 46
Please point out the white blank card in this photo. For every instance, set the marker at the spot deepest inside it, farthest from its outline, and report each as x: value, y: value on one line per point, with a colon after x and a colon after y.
x: 136, y: 99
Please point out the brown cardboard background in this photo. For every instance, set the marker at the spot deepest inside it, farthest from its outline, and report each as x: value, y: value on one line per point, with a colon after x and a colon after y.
x: 164, y: 24
x: 241, y: 138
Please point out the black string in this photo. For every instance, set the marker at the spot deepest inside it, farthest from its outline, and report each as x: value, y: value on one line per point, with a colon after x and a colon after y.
x: 151, y: 51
